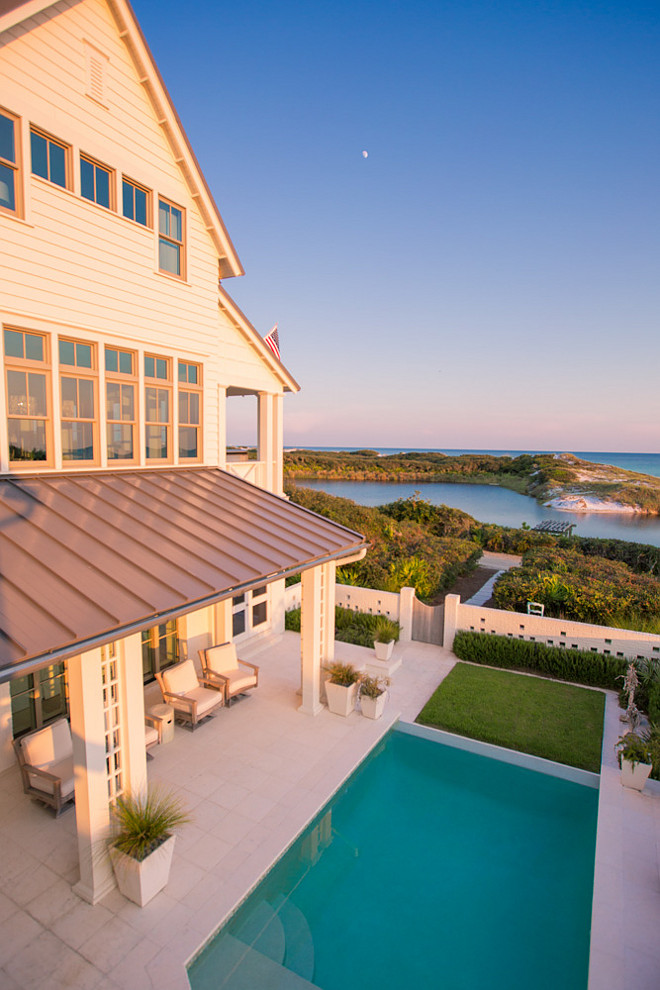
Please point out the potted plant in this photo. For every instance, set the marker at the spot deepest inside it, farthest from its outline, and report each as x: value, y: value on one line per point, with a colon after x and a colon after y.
x: 341, y: 688
x: 634, y: 759
x: 373, y: 695
x: 143, y: 842
x: 386, y: 634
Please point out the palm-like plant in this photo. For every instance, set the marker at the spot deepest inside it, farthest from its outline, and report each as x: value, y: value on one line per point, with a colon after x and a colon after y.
x: 142, y: 822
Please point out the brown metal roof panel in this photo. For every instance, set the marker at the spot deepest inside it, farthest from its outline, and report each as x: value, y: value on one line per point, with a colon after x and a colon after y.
x: 24, y: 621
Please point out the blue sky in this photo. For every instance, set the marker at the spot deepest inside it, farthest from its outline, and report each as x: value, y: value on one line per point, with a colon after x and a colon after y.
x: 489, y: 275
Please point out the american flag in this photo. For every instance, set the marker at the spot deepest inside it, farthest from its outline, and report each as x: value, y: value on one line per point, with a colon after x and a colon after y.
x: 273, y: 341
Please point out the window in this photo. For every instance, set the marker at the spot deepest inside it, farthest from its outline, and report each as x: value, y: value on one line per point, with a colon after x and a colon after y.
x: 121, y: 405
x: 78, y: 399
x: 171, y: 238
x: 136, y: 202
x: 158, y: 408
x: 95, y: 182
x: 9, y: 163
x: 37, y: 699
x: 28, y: 396
x: 160, y: 649
x: 190, y: 398
x: 249, y: 610
x: 49, y: 158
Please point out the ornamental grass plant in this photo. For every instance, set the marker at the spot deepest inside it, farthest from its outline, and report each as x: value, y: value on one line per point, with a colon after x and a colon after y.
x: 142, y: 822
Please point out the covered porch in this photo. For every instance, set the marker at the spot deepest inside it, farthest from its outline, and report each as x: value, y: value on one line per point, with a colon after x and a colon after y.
x: 252, y: 777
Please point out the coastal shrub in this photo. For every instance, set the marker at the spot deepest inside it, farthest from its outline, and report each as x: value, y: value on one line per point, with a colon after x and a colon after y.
x: 641, y: 557
x: 358, y: 628
x: 654, y: 704
x: 577, y: 666
x: 571, y: 586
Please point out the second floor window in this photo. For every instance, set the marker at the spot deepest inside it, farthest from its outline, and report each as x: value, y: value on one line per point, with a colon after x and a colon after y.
x: 28, y: 378
x: 95, y: 182
x: 135, y: 203
x: 170, y: 238
x: 121, y: 405
x: 78, y: 400
x: 49, y: 158
x: 190, y: 397
x: 9, y: 171
x: 157, y: 408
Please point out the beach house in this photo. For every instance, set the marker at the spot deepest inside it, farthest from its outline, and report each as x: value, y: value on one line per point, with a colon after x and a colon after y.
x: 129, y: 535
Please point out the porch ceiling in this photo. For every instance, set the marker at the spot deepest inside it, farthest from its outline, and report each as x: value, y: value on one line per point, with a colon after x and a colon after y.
x: 85, y: 558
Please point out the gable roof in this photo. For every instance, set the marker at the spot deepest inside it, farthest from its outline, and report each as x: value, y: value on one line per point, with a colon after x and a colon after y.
x: 89, y: 558
x: 13, y: 12
x: 238, y: 319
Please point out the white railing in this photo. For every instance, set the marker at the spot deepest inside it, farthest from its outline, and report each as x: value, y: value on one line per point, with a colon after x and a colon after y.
x: 551, y: 632
x: 252, y: 471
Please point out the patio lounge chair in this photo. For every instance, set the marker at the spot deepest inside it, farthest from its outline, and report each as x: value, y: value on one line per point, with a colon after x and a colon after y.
x: 192, y: 698
x: 46, y: 761
x: 221, y: 666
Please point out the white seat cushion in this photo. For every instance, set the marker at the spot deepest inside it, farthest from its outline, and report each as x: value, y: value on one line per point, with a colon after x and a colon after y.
x: 62, y: 769
x: 222, y: 658
x: 48, y: 746
x: 182, y: 678
x: 206, y: 699
x: 240, y: 680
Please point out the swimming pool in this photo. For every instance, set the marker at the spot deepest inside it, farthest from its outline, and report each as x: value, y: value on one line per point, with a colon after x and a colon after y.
x: 431, y: 867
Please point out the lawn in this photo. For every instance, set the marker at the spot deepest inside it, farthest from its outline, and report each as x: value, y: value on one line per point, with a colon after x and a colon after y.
x: 561, y: 722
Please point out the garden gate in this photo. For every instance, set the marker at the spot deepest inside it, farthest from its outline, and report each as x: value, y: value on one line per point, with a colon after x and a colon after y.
x: 428, y: 622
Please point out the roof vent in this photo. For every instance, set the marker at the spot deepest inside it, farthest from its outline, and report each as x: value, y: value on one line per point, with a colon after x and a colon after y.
x: 95, y: 74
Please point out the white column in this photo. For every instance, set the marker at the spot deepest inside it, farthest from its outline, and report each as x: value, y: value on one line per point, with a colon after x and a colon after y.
x: 452, y: 604
x: 406, y: 599
x: 265, y: 438
x: 7, y: 758
x: 278, y: 439
x: 134, y: 753
x: 91, y: 785
x: 223, y: 621
x: 221, y: 453
x: 317, y: 632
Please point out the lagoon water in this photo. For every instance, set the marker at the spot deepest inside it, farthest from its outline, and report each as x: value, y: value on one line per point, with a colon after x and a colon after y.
x: 489, y: 503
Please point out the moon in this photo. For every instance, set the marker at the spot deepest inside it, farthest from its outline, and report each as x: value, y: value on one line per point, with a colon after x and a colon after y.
x: 365, y: 154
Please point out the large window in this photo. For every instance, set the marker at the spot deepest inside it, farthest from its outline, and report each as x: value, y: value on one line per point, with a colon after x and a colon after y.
x: 96, y: 182
x: 160, y: 648
x: 190, y: 402
x: 121, y: 404
x: 78, y: 374
x: 158, y: 407
x: 28, y: 392
x: 171, y: 238
x: 136, y: 202
x: 49, y: 158
x: 37, y: 699
x: 9, y: 163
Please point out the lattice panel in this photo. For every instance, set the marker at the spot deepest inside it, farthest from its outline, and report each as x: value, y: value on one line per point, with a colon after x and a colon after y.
x: 114, y: 728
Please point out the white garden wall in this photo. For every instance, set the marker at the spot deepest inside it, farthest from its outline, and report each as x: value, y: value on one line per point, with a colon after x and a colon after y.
x: 550, y: 632
x: 397, y: 607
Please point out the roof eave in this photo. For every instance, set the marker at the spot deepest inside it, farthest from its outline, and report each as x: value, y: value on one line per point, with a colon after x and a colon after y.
x: 241, y: 322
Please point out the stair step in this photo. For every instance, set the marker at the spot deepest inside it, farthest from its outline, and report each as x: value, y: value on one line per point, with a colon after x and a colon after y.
x: 263, y: 930
x: 299, y: 953
x: 233, y: 965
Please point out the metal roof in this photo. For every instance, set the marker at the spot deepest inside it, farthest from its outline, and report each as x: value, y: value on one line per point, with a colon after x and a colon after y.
x: 85, y: 558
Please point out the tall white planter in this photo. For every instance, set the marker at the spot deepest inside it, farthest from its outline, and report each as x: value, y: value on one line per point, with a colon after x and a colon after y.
x: 373, y: 707
x: 142, y: 880
x: 635, y: 776
x: 383, y: 650
x: 341, y: 699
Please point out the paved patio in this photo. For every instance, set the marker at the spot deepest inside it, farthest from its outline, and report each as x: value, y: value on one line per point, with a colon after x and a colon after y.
x: 252, y: 778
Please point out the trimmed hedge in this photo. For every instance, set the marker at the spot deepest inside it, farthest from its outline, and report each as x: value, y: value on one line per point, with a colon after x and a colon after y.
x: 350, y: 627
x: 577, y: 666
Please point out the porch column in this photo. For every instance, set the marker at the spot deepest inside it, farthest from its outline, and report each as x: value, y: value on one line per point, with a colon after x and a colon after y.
x: 223, y: 621
x: 7, y: 756
x: 91, y: 781
x: 134, y: 754
x: 265, y: 437
x: 278, y: 439
x: 317, y: 631
x: 221, y: 453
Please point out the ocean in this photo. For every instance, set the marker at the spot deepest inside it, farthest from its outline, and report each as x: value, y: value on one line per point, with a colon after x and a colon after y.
x: 489, y: 503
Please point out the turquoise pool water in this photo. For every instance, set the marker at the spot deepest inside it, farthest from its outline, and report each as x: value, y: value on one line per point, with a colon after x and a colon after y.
x: 431, y: 868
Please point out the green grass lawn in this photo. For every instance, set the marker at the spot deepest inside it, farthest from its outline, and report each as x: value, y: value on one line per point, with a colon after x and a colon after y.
x: 561, y: 722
